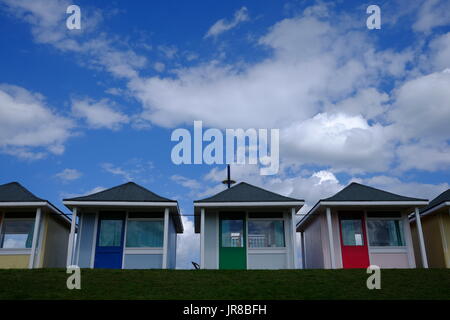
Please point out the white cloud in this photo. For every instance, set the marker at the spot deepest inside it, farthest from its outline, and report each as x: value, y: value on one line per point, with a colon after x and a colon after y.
x: 99, y: 114
x: 321, y: 76
x: 135, y: 169
x: 68, y: 175
x: 47, y: 20
x: 186, y: 182
x: 432, y: 14
x: 118, y: 171
x: 440, y: 52
x: 369, y: 103
x: 423, y: 156
x: 168, y: 51
x: 23, y: 153
x: 159, y: 66
x: 223, y: 25
x: 422, y: 107
x: 342, y: 141
x: 26, y: 122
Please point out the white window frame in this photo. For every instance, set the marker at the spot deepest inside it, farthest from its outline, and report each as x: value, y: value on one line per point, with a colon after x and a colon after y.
x: 283, y: 248
x: 381, y: 249
x: 14, y: 250
x: 141, y: 250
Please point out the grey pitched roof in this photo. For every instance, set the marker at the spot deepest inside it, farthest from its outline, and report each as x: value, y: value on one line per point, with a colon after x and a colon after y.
x: 359, y: 192
x: 443, y: 197
x: 244, y: 192
x: 15, y: 192
x: 129, y: 192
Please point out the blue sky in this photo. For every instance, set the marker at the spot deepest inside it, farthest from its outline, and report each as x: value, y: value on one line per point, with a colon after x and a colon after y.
x: 83, y: 110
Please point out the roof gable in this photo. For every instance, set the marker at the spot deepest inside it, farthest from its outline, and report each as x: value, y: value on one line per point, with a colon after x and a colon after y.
x: 443, y: 197
x: 359, y: 192
x: 127, y: 192
x: 15, y: 192
x: 244, y: 192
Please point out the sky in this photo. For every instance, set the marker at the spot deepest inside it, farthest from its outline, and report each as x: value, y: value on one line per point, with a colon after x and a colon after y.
x: 85, y: 110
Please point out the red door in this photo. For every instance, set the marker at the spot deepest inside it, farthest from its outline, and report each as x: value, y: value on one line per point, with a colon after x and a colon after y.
x: 355, y: 253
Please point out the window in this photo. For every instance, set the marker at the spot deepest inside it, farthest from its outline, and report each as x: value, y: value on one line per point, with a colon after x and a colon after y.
x: 232, y: 233
x: 385, y: 232
x: 145, y: 233
x: 352, y: 234
x: 17, y: 233
x: 265, y: 233
x: 110, y: 233
x: 265, y: 215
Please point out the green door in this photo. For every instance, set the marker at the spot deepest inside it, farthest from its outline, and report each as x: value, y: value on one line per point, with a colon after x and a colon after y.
x: 232, y: 251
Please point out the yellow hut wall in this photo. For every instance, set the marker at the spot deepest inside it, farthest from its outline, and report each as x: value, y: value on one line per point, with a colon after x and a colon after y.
x: 433, y: 237
x: 19, y: 261
x: 54, y: 250
x: 445, y: 225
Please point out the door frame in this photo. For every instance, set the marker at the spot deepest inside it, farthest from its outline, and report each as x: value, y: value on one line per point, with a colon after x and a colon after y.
x: 109, y: 215
x: 362, y: 215
x: 243, y: 214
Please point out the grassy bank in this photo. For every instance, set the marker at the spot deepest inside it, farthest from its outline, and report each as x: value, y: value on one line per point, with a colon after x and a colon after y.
x: 213, y: 284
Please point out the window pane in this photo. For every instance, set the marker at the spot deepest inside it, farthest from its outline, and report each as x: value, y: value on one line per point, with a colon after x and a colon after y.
x: 265, y: 215
x: 352, y: 232
x: 264, y: 234
x: 232, y: 233
x: 17, y: 234
x: 153, y: 215
x: 145, y: 233
x: 110, y: 233
x: 384, y: 233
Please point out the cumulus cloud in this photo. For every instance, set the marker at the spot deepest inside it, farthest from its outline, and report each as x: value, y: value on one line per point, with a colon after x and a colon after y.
x: 224, y: 25
x: 338, y: 140
x: 318, y: 84
x: 323, y: 83
x: 26, y: 123
x: 99, y: 114
x: 422, y: 107
x: 424, y: 156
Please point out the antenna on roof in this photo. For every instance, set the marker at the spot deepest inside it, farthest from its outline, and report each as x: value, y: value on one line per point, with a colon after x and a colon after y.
x: 228, y: 181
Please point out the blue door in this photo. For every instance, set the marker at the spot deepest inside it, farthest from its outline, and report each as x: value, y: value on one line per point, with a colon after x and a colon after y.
x: 109, y: 247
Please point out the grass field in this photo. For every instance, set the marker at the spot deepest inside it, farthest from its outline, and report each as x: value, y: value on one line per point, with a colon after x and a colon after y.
x: 213, y: 284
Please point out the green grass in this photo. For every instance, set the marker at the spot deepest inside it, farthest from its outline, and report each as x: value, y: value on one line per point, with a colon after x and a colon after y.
x: 214, y: 284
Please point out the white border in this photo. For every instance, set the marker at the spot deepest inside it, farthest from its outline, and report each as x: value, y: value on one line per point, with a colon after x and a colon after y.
x: 249, y: 204
x: 431, y: 210
x: 202, y: 239
x: 165, y: 238
x: 94, y: 241
x: 124, y: 238
x: 120, y: 203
